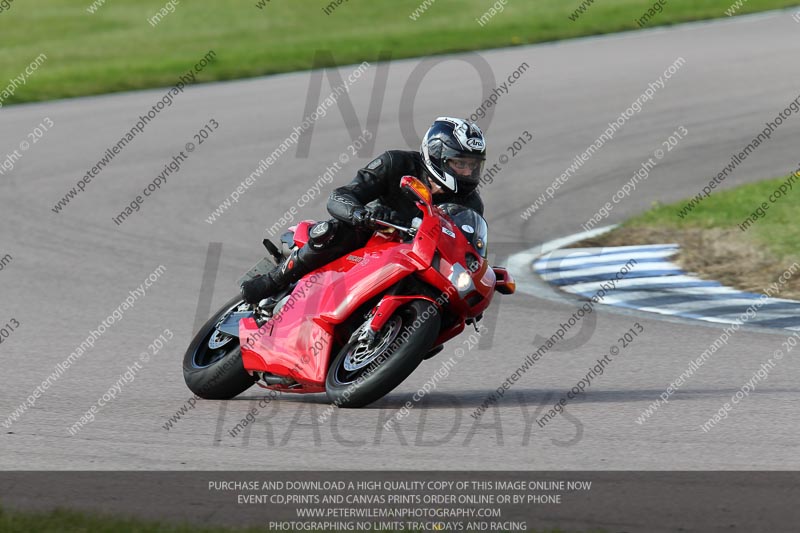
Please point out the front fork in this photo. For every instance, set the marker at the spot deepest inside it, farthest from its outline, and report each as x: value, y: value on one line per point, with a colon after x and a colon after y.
x: 381, y: 314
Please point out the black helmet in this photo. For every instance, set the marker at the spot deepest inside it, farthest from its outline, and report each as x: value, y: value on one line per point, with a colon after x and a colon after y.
x: 454, y: 151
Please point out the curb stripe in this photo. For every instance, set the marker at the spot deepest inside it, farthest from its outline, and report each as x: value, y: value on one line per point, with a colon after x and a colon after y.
x: 671, y: 299
x: 577, y: 264
x: 647, y: 274
x: 582, y: 259
x: 615, y: 250
x: 676, y: 282
x: 657, y: 285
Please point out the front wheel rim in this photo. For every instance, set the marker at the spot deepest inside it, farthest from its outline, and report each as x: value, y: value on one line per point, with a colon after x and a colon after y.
x: 204, y: 356
x: 218, y: 340
x: 360, y: 356
x: 216, y: 346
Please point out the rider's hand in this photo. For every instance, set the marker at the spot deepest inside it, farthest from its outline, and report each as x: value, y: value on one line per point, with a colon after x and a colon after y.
x: 361, y: 217
x: 381, y: 212
x: 366, y: 217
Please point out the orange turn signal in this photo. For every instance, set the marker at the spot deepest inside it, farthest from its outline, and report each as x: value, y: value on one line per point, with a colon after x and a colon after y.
x: 420, y: 190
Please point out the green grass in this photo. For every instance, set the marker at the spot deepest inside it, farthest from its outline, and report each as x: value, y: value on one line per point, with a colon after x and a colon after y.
x: 62, y: 521
x: 116, y: 49
x: 777, y: 230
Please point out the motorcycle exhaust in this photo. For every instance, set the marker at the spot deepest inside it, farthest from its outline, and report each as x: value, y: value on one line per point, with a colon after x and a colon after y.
x: 272, y: 379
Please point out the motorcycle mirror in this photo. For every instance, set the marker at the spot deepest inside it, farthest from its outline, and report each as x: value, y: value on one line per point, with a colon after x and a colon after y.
x: 416, y: 190
x: 505, y: 282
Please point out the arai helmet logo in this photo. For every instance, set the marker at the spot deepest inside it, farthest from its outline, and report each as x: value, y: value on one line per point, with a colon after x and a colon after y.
x: 475, y: 143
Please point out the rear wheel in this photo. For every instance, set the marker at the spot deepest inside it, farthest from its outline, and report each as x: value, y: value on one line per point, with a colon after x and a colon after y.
x: 212, y: 366
x: 365, y: 370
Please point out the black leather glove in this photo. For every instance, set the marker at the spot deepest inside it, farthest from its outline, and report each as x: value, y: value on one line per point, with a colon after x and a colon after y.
x: 366, y: 217
x: 381, y: 212
x: 361, y: 218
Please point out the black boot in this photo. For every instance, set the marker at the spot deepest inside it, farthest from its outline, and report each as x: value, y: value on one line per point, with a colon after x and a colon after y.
x: 256, y: 289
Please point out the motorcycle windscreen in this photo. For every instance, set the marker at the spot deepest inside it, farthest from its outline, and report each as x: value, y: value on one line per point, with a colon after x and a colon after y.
x: 471, y: 224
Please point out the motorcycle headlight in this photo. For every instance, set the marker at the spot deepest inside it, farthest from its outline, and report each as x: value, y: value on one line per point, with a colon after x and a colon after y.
x: 461, y: 280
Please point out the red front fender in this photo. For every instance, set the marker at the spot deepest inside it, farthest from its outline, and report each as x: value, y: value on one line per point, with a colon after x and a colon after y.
x: 389, y: 304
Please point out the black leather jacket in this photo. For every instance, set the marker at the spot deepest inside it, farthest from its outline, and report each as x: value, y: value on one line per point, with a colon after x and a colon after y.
x: 380, y: 180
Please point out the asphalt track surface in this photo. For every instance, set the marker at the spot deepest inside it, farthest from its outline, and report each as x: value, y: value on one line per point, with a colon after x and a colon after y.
x: 71, y: 270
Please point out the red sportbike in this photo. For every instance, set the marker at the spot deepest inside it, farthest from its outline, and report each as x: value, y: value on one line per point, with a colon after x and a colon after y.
x: 357, y: 327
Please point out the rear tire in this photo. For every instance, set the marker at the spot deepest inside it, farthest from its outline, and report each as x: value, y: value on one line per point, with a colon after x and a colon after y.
x: 359, y: 376
x: 216, y: 373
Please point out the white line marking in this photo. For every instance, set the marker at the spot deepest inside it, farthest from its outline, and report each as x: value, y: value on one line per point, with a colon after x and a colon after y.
x: 661, y: 282
x: 611, y: 270
x: 547, y: 261
x: 613, y: 250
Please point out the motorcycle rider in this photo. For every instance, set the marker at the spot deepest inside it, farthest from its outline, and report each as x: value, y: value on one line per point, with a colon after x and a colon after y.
x: 450, y: 163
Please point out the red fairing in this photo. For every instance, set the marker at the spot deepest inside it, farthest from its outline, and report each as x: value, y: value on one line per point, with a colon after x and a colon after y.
x: 301, y: 232
x: 297, y: 341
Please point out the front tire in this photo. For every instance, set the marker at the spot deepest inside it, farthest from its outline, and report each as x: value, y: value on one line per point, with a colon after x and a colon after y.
x: 361, y: 374
x: 214, y: 370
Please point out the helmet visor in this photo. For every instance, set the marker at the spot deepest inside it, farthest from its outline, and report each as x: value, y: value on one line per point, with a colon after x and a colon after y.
x: 466, y: 169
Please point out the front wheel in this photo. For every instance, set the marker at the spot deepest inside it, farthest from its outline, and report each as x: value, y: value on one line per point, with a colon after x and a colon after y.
x: 212, y: 366
x: 365, y: 371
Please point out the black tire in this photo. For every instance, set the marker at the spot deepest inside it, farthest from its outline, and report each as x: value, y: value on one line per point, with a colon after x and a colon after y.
x: 216, y: 374
x: 388, y: 365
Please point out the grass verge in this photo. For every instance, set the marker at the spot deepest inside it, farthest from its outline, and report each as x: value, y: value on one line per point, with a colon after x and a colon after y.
x: 714, y: 244
x: 63, y: 521
x: 116, y: 48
